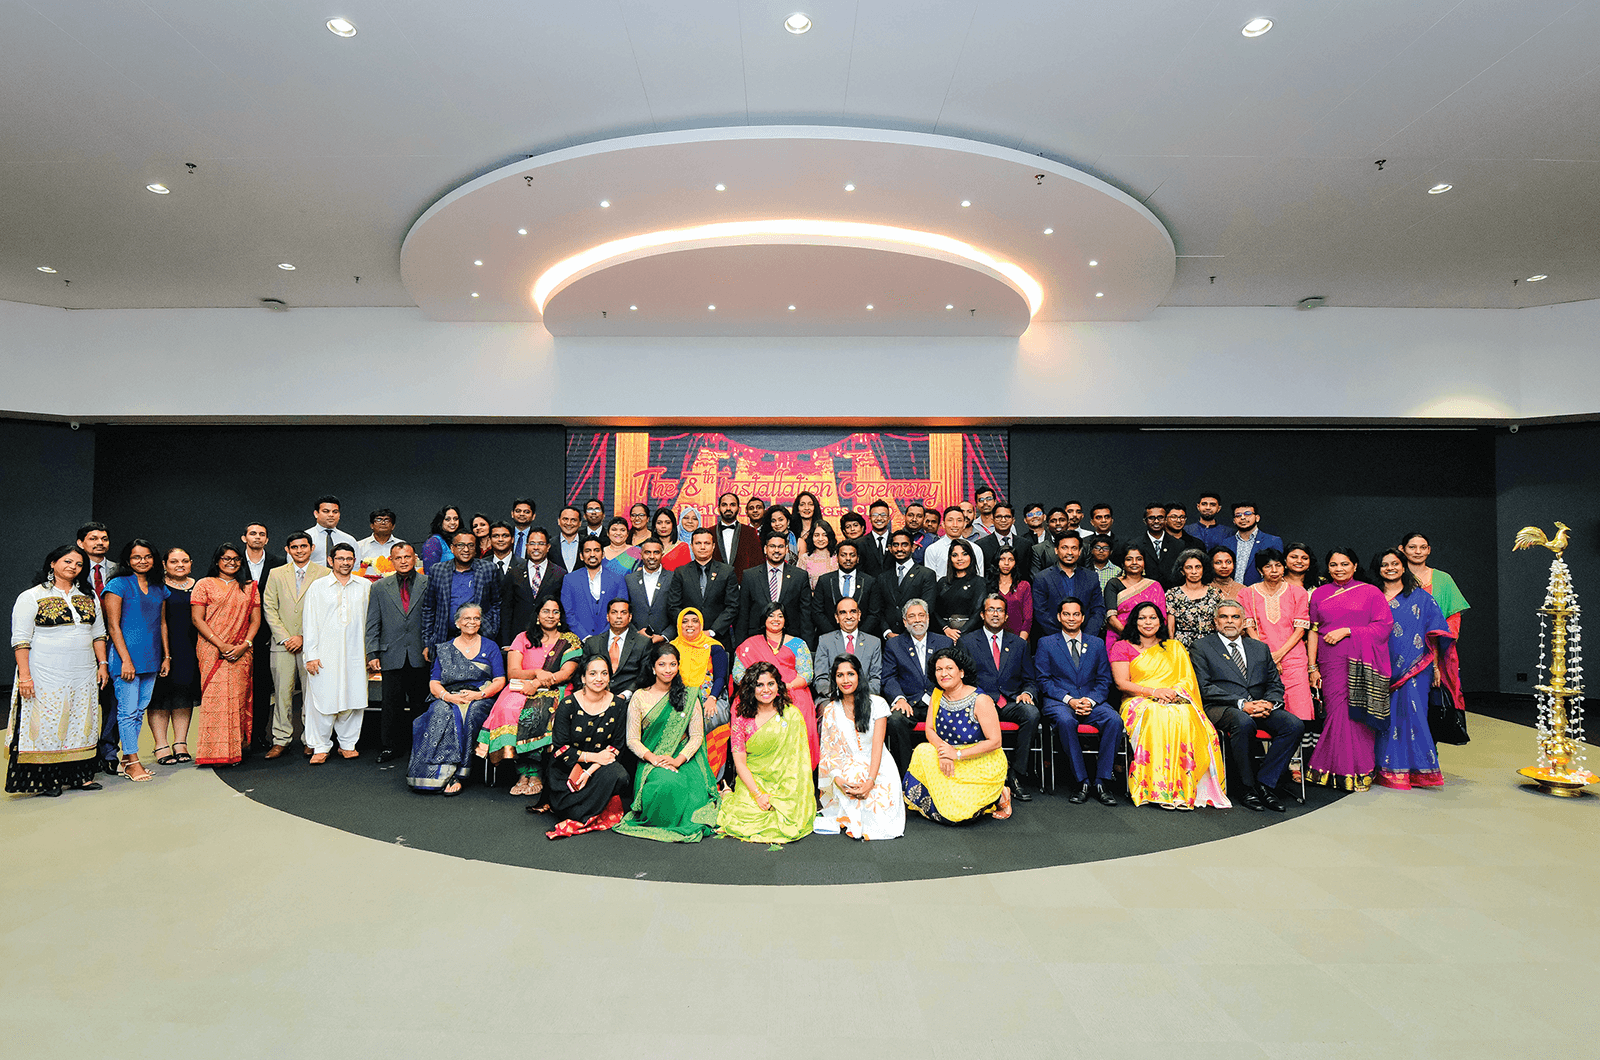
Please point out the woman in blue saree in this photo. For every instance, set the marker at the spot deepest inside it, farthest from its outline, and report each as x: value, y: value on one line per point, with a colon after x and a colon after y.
x: 1407, y: 756
x: 468, y: 672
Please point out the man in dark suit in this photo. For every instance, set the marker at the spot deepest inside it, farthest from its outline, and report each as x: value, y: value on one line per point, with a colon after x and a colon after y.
x: 847, y: 639
x: 737, y: 545
x: 1065, y: 579
x: 594, y: 518
x: 1043, y: 554
x: 774, y: 582
x: 626, y: 647
x: 530, y: 580
x: 708, y: 585
x: 1075, y: 675
x: 394, y: 648
x: 587, y: 592
x: 1005, y: 534
x: 460, y: 580
x: 900, y: 581
x: 1003, y: 671
x: 259, y: 562
x: 846, y: 582
x: 648, y: 588
x: 907, y: 681
x: 1179, y: 537
x: 874, y: 544
x: 1247, y: 541
x: 1242, y: 692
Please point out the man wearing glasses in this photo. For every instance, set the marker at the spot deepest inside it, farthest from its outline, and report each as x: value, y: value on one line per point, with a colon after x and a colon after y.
x: 1248, y: 541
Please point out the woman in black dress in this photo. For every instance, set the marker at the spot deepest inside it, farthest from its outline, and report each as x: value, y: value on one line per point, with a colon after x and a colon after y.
x: 589, y: 781
x: 958, y: 598
x: 176, y: 695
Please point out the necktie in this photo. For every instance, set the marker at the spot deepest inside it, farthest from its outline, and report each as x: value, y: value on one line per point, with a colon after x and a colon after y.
x: 850, y: 643
x: 994, y: 646
x: 1237, y: 656
x: 522, y: 543
x: 99, y: 579
x: 702, y: 567
x: 299, y: 579
x: 1077, y: 651
x: 903, y: 568
x: 772, y: 582
x: 883, y: 543
x: 327, y: 550
x: 616, y: 650
x: 502, y: 565
x: 847, y: 579
x: 535, y: 576
x: 405, y: 594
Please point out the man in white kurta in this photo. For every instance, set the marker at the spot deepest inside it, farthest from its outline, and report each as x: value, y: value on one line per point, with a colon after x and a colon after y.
x: 334, y: 625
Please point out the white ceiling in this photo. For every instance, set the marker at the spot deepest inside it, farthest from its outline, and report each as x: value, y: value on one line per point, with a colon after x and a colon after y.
x: 1258, y: 155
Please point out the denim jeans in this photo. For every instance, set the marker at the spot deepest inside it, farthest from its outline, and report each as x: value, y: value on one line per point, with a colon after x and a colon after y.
x: 132, y: 699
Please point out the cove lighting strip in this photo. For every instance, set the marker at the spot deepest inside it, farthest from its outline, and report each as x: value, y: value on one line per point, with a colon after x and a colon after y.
x: 746, y: 233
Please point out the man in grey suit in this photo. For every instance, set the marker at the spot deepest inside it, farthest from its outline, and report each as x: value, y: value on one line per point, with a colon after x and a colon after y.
x: 394, y: 648
x: 1243, y: 692
x: 648, y: 589
x: 847, y: 639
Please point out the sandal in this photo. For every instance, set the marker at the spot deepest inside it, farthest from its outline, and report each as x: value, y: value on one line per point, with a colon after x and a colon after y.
x: 182, y: 756
x: 447, y: 792
x: 145, y: 774
x: 89, y: 785
x: 1004, y: 811
x: 167, y: 759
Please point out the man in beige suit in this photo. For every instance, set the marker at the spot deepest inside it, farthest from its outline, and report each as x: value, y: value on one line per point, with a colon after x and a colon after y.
x: 283, y: 602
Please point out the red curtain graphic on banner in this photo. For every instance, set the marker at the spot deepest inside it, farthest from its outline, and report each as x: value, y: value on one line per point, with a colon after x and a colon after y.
x: 847, y: 472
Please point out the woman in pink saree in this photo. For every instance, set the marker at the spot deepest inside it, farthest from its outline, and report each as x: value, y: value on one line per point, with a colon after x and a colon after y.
x: 793, y: 660
x: 1349, y: 648
x: 1129, y: 590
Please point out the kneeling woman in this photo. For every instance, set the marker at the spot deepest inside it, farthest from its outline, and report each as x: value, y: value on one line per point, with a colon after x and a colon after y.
x: 674, y: 793
x: 588, y: 782
x: 960, y: 772
x: 1177, y: 759
x: 467, y: 674
x: 859, y: 796
x: 775, y: 800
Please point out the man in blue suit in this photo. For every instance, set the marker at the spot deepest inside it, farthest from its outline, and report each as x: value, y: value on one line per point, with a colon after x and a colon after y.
x: 589, y: 590
x: 1066, y: 579
x: 1076, y: 676
x: 1003, y: 671
x: 457, y: 581
x: 1247, y: 541
x: 907, y: 683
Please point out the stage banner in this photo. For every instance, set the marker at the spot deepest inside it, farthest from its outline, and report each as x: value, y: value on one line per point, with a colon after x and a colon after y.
x: 678, y: 469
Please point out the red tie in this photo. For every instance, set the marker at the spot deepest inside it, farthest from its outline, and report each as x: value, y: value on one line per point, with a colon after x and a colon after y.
x: 850, y: 643
x: 99, y: 582
x: 994, y: 642
x: 405, y: 594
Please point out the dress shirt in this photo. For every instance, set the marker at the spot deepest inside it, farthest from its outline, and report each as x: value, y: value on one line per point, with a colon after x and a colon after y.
x: 771, y: 571
x: 569, y: 552
x: 103, y: 567
x: 728, y: 539
x: 460, y: 591
x: 255, y: 565
x: 370, y: 548
x: 595, y: 580
x: 519, y: 543
x: 921, y: 648
x: 536, y: 574
x: 1229, y: 646
x: 319, y: 542
x: 651, y: 582
x: 847, y: 583
x: 1243, y: 548
x: 501, y: 562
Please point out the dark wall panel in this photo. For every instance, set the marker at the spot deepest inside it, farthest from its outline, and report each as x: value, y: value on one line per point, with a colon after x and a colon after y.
x: 197, y: 486
x: 1544, y: 474
x: 1328, y: 488
x: 47, y: 482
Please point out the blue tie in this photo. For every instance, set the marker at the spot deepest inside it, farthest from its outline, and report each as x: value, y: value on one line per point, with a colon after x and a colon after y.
x: 847, y: 578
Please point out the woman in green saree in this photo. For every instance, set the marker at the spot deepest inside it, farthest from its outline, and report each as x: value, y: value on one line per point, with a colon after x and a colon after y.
x: 775, y: 800
x: 674, y: 793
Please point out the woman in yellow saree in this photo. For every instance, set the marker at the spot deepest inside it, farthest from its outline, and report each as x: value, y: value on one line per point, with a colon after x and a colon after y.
x: 960, y: 773
x: 1177, y: 760
x: 775, y: 799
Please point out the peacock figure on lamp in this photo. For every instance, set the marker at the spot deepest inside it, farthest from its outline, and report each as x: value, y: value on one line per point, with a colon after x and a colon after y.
x: 1560, y: 683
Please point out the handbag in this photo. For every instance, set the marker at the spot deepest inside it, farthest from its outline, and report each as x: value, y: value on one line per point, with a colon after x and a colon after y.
x: 1446, y: 721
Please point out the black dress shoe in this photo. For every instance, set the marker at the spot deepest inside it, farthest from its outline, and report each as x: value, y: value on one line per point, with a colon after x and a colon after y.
x: 1102, y: 796
x: 387, y: 756
x: 1080, y: 795
x: 1252, y: 801
x: 1018, y: 790
x: 1269, y: 798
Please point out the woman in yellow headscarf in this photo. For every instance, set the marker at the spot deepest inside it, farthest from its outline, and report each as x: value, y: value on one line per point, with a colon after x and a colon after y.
x: 703, y: 665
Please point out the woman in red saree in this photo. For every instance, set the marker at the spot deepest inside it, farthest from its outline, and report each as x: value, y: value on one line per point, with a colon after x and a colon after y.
x: 793, y: 660
x: 227, y: 613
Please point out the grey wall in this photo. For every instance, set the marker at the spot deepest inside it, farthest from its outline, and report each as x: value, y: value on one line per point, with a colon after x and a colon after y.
x: 47, y: 486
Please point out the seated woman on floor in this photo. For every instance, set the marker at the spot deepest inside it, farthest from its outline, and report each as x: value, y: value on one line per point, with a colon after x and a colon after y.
x: 588, y: 781
x: 674, y: 791
x: 467, y: 674
x: 775, y: 799
x: 861, y: 793
x: 960, y: 773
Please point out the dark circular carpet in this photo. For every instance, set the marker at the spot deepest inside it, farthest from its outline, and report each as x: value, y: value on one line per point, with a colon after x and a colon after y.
x: 487, y: 824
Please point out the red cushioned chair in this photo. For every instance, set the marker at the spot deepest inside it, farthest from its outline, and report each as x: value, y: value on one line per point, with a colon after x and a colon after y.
x: 1298, y: 761
x: 1084, y: 729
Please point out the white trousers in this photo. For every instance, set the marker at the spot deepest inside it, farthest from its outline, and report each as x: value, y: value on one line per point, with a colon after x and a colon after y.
x: 322, y: 728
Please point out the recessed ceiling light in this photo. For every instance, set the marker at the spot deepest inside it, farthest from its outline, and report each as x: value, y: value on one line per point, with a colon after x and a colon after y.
x: 341, y: 27
x: 791, y: 309
x: 474, y: 294
x: 949, y: 307
x: 44, y: 268
x: 869, y: 307
x: 712, y: 308
x: 159, y: 189
x: 1049, y: 231
x: 1440, y: 189
x: 604, y: 203
x: 849, y: 187
x: 1536, y: 279
x: 1093, y: 263
x: 722, y: 187
x: 798, y: 22
x: 633, y: 308
x: 1099, y: 294
x: 285, y: 266
x: 522, y: 231
x: 966, y: 202
x: 477, y: 263
x: 1256, y: 27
